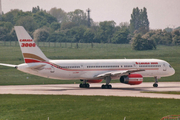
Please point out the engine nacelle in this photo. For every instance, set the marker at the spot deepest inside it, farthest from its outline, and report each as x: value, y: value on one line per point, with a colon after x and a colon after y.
x: 94, y: 81
x: 132, y: 79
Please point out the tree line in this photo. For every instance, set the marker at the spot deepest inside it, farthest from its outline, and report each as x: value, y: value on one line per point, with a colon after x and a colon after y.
x: 56, y: 25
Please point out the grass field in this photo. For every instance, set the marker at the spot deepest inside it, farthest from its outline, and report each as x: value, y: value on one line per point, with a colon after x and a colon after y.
x: 35, y: 107
x: 12, y: 55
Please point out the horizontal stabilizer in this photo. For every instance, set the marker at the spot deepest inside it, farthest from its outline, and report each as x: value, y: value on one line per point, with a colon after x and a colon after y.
x: 8, y: 65
x: 37, y: 67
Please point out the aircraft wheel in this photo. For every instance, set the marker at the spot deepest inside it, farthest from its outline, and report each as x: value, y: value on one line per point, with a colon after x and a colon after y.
x: 155, y: 85
x: 109, y: 86
x: 106, y: 86
x: 81, y: 85
x: 84, y: 85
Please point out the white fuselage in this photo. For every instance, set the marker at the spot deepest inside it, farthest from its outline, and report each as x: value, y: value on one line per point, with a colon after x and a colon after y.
x: 88, y: 69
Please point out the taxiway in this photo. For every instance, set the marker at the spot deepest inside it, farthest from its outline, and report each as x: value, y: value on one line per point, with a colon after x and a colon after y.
x: 95, y: 89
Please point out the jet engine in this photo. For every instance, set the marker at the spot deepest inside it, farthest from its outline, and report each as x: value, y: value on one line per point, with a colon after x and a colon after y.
x: 94, y: 81
x: 132, y: 79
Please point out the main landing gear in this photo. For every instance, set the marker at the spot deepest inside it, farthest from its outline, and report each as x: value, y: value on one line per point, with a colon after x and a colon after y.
x: 156, y: 82
x: 84, y: 84
x: 107, y: 85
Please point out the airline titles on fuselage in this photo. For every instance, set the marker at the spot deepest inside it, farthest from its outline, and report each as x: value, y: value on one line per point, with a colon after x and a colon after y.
x: 147, y: 63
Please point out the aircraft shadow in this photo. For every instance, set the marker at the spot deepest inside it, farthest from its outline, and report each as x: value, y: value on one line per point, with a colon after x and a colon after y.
x: 70, y: 88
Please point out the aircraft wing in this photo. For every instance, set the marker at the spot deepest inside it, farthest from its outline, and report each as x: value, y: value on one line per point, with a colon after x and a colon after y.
x: 8, y: 65
x: 118, y: 73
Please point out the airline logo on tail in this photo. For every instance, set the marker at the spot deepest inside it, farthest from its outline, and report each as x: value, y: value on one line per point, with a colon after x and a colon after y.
x: 28, y: 57
x: 30, y: 50
x: 27, y: 44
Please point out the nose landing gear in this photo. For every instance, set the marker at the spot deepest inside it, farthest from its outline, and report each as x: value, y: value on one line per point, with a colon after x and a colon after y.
x: 156, y: 82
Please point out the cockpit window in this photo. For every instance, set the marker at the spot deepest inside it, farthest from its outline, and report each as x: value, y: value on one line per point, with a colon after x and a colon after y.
x: 170, y: 66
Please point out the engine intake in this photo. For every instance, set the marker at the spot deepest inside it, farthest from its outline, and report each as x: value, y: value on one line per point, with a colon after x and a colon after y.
x: 132, y: 79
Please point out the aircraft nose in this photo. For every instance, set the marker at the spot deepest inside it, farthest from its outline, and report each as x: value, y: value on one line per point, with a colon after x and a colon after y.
x: 172, y: 71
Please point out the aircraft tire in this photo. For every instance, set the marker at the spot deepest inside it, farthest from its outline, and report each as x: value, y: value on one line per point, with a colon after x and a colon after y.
x: 81, y: 85
x: 106, y: 86
x: 109, y: 86
x: 155, y: 85
x: 84, y: 85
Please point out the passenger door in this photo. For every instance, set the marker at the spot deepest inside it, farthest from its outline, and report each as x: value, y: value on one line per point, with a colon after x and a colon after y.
x: 164, y: 67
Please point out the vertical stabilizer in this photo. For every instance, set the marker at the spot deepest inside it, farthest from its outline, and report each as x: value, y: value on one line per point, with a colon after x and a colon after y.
x: 31, y: 52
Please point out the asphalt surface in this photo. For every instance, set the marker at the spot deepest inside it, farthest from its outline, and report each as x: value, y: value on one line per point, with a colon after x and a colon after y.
x: 118, y: 89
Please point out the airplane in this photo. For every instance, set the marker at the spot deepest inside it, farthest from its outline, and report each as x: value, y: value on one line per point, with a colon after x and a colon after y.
x: 128, y: 71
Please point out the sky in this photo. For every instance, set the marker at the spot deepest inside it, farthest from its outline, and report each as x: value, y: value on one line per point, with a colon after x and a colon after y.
x: 161, y: 13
